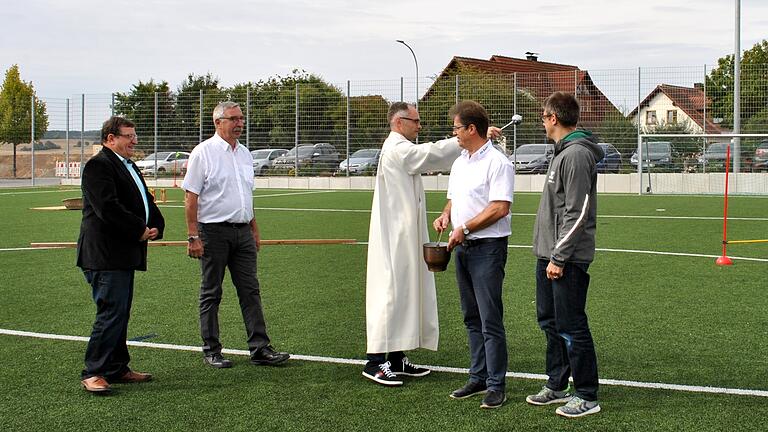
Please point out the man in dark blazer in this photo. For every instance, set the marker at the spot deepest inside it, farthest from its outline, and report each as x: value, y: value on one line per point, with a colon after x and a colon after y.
x: 119, y: 217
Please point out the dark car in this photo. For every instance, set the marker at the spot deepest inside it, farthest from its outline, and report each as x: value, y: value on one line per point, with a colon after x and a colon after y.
x: 655, y: 154
x: 360, y: 161
x: 611, y: 162
x: 713, y: 158
x: 532, y: 158
x: 315, y: 156
x: 760, y: 160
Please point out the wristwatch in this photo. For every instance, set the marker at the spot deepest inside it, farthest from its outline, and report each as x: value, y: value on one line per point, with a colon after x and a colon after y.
x: 192, y: 238
x: 465, y: 229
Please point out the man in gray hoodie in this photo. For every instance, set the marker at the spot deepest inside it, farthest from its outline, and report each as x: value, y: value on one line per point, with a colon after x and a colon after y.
x: 564, y: 245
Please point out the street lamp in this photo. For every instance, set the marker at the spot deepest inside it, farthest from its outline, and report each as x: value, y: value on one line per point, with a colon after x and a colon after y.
x: 417, y: 70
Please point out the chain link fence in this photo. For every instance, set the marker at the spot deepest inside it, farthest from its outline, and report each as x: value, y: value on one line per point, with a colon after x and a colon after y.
x: 317, y: 126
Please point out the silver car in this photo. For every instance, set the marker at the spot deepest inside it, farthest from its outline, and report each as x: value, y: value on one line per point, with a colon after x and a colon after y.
x: 167, y: 162
x: 262, y: 159
x: 532, y: 158
x: 360, y: 161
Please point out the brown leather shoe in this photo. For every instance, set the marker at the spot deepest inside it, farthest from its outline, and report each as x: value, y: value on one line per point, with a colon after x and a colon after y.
x: 133, y: 377
x: 96, y: 384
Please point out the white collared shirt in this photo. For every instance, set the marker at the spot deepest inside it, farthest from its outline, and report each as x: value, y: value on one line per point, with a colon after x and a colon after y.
x: 223, y: 180
x: 476, y: 181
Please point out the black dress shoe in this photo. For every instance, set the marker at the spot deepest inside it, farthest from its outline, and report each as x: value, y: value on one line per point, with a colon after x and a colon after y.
x: 471, y: 388
x: 217, y: 360
x: 268, y: 356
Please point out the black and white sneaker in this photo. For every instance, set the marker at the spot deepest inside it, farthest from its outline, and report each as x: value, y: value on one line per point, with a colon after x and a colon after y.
x: 407, y: 368
x: 382, y: 374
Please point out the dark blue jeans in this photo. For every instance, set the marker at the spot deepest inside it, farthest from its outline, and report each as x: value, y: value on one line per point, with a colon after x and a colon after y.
x: 233, y: 248
x: 107, y: 352
x: 480, y: 276
x: 561, y: 312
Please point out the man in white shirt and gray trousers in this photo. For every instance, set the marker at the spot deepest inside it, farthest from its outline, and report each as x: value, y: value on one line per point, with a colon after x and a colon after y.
x: 223, y: 234
x: 480, y: 192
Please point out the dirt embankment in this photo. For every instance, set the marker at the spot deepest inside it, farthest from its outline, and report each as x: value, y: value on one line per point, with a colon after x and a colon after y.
x: 45, y: 160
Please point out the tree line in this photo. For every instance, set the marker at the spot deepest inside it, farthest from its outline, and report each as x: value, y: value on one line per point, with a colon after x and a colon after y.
x: 176, y: 117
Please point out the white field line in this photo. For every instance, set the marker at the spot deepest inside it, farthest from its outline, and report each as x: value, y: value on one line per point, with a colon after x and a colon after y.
x: 682, y: 254
x: 336, y: 360
x: 295, y: 193
x: 40, y: 192
x: 645, y: 252
x: 321, y: 210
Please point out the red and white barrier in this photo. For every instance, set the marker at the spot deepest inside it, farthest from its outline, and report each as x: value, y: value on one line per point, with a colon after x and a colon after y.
x: 61, y: 169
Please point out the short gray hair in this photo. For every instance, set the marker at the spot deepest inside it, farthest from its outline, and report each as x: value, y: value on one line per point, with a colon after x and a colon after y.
x: 398, y: 109
x: 218, y: 112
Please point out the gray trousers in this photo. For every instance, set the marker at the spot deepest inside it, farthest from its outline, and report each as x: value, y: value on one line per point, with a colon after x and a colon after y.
x: 230, y: 247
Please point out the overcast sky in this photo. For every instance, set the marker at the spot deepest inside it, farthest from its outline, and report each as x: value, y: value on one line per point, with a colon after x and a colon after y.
x: 67, y: 47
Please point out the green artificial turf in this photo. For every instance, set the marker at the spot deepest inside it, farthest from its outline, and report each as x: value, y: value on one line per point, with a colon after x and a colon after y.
x: 655, y: 318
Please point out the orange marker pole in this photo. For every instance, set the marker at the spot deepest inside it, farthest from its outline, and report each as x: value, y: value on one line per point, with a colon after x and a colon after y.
x: 724, y: 260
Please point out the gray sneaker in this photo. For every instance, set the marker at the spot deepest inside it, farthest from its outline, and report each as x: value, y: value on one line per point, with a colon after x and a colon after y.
x: 547, y: 396
x: 578, y: 407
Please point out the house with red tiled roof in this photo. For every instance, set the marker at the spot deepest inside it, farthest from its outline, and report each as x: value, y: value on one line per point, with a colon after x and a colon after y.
x: 670, y: 104
x: 538, y: 79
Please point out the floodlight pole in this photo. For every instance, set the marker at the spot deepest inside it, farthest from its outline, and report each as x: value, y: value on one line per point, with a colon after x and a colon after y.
x: 417, y: 70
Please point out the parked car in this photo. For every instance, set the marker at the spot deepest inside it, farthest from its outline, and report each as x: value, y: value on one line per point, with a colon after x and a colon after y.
x: 713, y: 158
x: 263, y: 158
x: 532, y: 158
x: 167, y: 162
x: 360, y: 161
x: 760, y: 160
x: 316, y: 156
x: 655, y: 154
x: 714, y: 153
x: 611, y: 162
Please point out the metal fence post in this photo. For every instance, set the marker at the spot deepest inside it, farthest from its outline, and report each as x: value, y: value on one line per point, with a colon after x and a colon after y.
x: 704, y: 120
x: 82, y: 134
x: 639, y: 140
x: 456, y: 90
x: 66, y: 150
x: 200, y: 119
x: 514, y: 127
x: 296, y: 135
x: 248, y: 116
x: 575, y: 83
x: 401, y: 89
x: 155, y: 127
x: 112, y: 107
x: 348, y: 99
x: 32, y: 136
x: 737, y: 96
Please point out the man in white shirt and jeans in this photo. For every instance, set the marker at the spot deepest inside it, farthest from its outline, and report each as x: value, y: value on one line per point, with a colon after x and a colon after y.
x: 480, y: 192
x: 223, y: 234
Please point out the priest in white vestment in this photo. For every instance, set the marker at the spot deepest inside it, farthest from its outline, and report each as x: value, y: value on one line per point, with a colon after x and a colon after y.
x: 401, y: 304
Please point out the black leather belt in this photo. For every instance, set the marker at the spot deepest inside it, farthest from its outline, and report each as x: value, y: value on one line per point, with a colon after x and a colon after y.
x: 475, y: 242
x: 228, y: 224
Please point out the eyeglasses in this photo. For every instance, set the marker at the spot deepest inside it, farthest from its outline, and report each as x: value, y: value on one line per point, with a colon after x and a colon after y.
x: 417, y: 121
x: 130, y: 137
x: 546, y: 116
x: 234, y: 119
x: 456, y: 128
